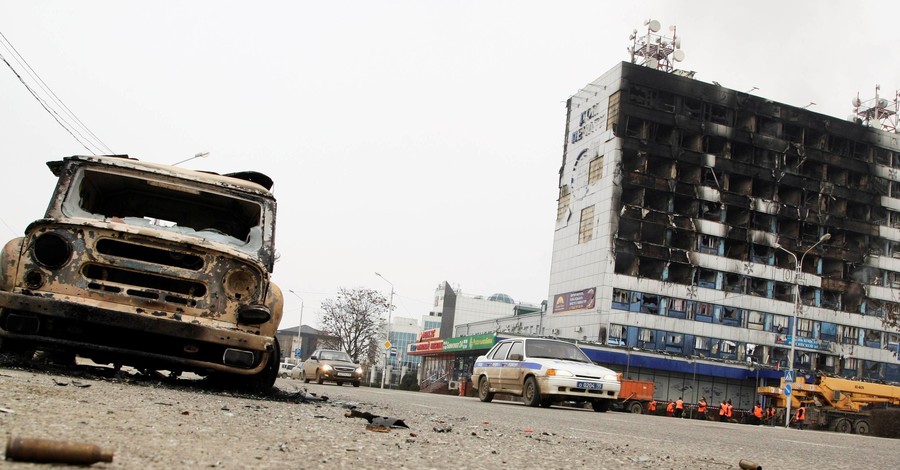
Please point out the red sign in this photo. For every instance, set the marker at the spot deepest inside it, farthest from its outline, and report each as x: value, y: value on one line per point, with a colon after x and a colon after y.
x: 426, y: 347
x: 430, y: 334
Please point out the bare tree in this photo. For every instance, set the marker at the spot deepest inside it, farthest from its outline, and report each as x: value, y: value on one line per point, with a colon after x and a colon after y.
x: 354, y: 317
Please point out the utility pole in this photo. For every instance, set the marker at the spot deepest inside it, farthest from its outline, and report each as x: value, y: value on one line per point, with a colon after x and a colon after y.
x: 299, y: 327
x: 797, y: 273
x: 387, y: 349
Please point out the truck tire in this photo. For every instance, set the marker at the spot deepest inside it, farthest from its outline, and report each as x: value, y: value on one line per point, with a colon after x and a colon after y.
x: 843, y: 425
x: 861, y: 426
x: 636, y: 407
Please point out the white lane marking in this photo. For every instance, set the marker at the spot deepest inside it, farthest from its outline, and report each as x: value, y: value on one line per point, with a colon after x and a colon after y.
x: 620, y: 434
x: 817, y: 444
x: 426, y: 406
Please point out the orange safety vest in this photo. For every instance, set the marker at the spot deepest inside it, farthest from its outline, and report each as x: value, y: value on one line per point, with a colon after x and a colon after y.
x: 652, y: 406
x: 679, y: 405
x: 757, y: 411
x: 728, y: 410
x: 770, y: 413
x: 723, y: 409
x: 801, y: 414
x: 670, y: 407
x: 701, y: 407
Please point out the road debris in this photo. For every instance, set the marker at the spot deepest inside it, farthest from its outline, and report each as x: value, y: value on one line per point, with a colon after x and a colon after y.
x: 377, y: 428
x: 50, y: 451
x: 749, y: 465
x: 305, y: 396
x: 376, y: 420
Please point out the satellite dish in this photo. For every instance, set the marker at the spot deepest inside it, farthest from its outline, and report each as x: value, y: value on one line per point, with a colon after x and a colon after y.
x: 677, y: 43
x: 856, y: 102
x: 653, y: 63
x: 882, y: 103
x: 654, y: 25
x: 678, y: 55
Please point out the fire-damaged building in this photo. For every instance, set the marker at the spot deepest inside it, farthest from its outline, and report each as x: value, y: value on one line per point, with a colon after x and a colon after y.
x: 684, y: 211
x: 684, y: 208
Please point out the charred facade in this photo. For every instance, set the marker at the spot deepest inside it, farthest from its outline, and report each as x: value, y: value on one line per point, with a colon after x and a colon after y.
x: 683, y: 206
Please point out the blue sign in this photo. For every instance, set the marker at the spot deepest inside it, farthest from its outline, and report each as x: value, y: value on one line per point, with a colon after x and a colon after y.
x: 789, y: 376
x: 393, y: 352
x: 297, y: 352
x: 787, y: 390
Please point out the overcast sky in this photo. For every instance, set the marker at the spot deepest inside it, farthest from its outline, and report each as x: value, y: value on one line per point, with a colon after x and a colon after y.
x: 420, y: 140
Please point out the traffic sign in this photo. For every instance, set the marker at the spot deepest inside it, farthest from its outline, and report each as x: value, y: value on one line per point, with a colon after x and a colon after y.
x: 393, y: 352
x: 297, y: 352
x: 789, y: 376
x: 387, y: 344
x: 787, y: 390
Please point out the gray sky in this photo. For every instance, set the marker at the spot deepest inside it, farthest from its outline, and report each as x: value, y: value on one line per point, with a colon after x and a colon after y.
x: 421, y: 140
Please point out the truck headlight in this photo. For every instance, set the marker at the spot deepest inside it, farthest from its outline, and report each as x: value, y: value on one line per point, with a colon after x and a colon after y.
x: 51, y: 250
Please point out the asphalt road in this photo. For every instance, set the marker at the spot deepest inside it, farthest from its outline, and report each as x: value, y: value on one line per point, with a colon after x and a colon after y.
x: 154, y: 423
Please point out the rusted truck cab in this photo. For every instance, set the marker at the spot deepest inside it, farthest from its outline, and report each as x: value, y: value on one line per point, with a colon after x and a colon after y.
x: 149, y: 265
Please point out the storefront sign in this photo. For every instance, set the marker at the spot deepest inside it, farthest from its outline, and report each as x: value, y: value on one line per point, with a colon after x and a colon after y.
x: 426, y: 347
x: 429, y: 334
x: 467, y: 343
x: 578, y: 300
x: 807, y: 343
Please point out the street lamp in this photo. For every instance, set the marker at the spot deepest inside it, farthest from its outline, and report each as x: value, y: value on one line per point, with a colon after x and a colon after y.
x: 299, y: 326
x: 798, y: 264
x: 196, y: 155
x: 387, y: 350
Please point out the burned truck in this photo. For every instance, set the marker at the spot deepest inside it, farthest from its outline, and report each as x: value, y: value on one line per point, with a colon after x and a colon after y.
x: 148, y: 265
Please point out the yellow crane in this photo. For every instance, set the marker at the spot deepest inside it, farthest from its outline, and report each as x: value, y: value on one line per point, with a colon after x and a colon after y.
x: 836, y: 404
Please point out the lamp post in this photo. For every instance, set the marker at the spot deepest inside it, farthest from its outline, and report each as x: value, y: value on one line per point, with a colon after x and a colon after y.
x: 196, y: 155
x: 798, y: 264
x: 299, y: 326
x: 387, y: 350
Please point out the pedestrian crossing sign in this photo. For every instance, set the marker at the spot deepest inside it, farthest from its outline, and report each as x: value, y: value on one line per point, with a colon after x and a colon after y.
x: 789, y: 376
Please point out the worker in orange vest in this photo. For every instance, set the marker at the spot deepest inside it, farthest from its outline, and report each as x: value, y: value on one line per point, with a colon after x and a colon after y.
x: 670, y: 408
x: 800, y: 417
x: 729, y: 410
x: 679, y: 408
x: 770, y: 415
x: 757, y: 413
x: 723, y: 410
x: 651, y: 408
x: 701, y: 408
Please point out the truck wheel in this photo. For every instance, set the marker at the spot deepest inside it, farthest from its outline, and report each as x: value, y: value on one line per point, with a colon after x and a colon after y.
x: 484, y: 390
x: 843, y: 425
x: 636, y: 407
x: 600, y: 405
x: 265, y: 379
x: 861, y: 427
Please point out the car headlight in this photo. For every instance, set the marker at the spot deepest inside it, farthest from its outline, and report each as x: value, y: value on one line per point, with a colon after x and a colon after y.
x: 359, y: 371
x: 326, y: 368
x: 559, y: 373
x: 611, y: 377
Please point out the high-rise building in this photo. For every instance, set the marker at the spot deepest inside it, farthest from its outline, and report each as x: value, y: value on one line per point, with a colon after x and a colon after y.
x: 685, y: 207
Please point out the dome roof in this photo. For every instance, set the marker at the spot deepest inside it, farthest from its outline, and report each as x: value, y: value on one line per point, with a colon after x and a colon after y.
x: 502, y: 298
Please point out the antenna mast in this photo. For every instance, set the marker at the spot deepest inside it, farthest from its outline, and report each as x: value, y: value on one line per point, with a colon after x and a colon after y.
x: 878, y: 111
x: 657, y: 51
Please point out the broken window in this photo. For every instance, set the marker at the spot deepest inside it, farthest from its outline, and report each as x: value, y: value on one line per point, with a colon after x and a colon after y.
x: 780, y: 324
x: 171, y: 206
x: 562, y: 208
x: 756, y: 320
x: 612, y: 113
x: 849, y: 335
x: 804, y: 328
x: 586, y: 225
x: 595, y: 171
x: 621, y: 299
x: 708, y: 244
x: 701, y: 343
x: 872, y: 338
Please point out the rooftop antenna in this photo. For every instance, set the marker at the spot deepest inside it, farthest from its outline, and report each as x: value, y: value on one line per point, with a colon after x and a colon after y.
x: 878, y: 111
x: 656, y: 50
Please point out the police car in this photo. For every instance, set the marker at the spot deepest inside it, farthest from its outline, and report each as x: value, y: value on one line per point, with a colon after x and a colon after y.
x: 544, y: 372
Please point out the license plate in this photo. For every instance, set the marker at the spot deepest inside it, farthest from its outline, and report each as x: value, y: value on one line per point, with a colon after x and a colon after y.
x: 344, y: 374
x: 589, y: 385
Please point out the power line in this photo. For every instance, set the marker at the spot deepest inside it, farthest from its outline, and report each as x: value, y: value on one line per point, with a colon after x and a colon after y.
x: 44, y: 105
x: 55, y: 101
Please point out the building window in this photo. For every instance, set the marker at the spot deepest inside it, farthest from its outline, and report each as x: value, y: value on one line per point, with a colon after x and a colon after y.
x: 850, y: 364
x: 612, y: 111
x: 621, y: 299
x: 780, y: 324
x: 804, y: 328
x: 704, y: 310
x: 562, y: 208
x: 756, y: 320
x: 849, y: 335
x: 646, y: 336
x: 701, y: 343
x: 586, y: 227
x: 708, y: 244
x: 728, y: 347
x: 673, y: 338
x: 595, y: 171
